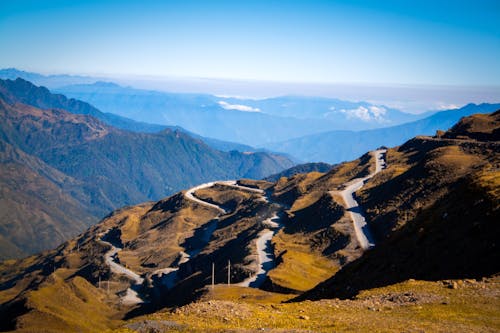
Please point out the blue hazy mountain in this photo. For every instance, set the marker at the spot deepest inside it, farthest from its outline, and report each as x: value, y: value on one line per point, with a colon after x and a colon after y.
x: 49, y: 81
x: 248, y: 121
x: 329, y: 109
x: 337, y: 146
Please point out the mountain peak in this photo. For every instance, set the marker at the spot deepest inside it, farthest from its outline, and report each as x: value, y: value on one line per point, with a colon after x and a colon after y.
x: 481, y: 127
x: 106, y: 84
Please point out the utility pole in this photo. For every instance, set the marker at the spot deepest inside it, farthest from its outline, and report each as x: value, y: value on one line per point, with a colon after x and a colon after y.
x: 229, y: 272
x: 213, y: 275
x: 99, y: 282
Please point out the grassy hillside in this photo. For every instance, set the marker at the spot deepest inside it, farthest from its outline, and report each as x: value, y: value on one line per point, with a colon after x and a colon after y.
x: 410, y: 306
x: 438, y: 205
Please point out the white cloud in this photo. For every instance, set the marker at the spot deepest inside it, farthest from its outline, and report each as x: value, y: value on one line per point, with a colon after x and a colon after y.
x: 447, y: 106
x: 371, y: 113
x: 378, y: 111
x: 238, y: 107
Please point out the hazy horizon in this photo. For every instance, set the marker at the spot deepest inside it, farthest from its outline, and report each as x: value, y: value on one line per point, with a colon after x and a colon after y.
x: 411, y: 98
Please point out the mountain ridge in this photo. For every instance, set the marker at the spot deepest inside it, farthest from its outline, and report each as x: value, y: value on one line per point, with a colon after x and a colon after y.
x: 325, y: 147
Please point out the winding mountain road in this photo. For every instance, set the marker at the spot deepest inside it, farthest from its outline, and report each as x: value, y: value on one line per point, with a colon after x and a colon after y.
x: 168, y: 276
x: 131, y: 296
x: 265, y: 252
x: 190, y: 195
x: 361, y: 228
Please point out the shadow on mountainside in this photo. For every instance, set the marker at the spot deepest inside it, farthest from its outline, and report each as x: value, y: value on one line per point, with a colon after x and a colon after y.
x: 457, y: 237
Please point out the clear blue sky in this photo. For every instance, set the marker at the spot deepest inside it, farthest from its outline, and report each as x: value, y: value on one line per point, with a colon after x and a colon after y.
x: 390, y: 41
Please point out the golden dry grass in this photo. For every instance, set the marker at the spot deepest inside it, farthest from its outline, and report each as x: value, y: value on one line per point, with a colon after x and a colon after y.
x: 490, y: 181
x: 454, y: 158
x: 306, y: 200
x: 221, y: 195
x: 411, y: 306
x: 54, y: 303
x: 261, y: 184
x: 158, y: 235
x: 300, y: 267
x: 223, y: 292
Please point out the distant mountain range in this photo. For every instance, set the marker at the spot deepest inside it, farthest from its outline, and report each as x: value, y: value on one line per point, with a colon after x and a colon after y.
x: 338, y: 146
x: 62, y: 171
x: 249, y: 121
x: 49, y: 81
x: 308, y: 129
x: 252, y: 122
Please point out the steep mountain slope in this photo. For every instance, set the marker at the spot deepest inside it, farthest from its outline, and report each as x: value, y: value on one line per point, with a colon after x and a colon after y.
x: 337, y: 146
x: 432, y: 203
x: 172, y: 243
x: 37, y: 209
x: 438, y: 204
x: 110, y: 168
